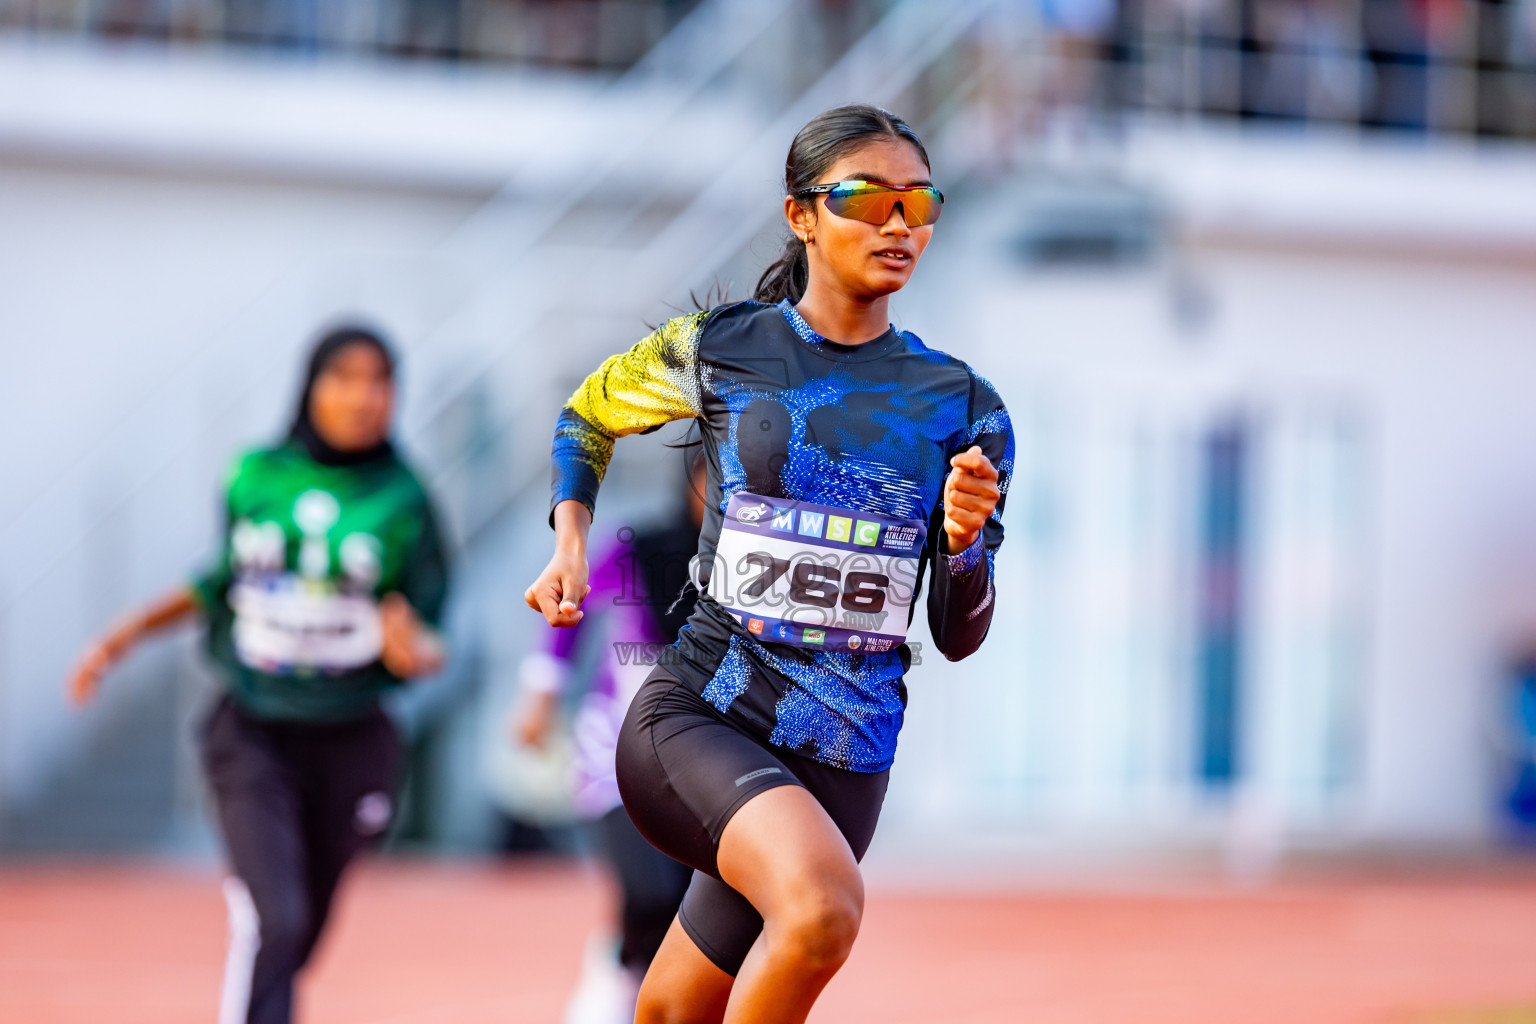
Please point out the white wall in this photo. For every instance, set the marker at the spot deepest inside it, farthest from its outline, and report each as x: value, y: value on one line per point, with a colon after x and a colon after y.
x: 1436, y: 354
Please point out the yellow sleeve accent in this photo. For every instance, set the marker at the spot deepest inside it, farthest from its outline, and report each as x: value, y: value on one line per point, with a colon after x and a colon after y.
x: 655, y: 382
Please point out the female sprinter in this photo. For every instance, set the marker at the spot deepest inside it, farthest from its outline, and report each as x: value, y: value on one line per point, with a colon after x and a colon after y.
x: 846, y: 461
x: 330, y: 572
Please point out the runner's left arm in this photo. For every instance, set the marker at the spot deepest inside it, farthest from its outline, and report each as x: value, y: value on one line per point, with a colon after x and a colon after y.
x: 961, y: 598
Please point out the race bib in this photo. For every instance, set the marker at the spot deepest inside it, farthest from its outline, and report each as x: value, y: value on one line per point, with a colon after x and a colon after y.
x: 284, y: 623
x: 817, y: 576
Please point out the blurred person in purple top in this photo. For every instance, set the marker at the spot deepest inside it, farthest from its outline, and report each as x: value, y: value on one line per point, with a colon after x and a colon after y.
x: 641, y: 595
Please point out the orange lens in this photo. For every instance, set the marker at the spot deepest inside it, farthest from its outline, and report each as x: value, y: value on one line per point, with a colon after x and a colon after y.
x: 872, y: 202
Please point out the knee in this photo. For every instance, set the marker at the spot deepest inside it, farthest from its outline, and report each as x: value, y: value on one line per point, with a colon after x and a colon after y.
x: 655, y: 1006
x: 818, y: 928
x: 650, y: 1009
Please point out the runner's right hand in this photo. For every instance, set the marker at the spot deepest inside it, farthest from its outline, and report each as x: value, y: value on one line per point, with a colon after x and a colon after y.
x: 85, y: 678
x: 560, y: 589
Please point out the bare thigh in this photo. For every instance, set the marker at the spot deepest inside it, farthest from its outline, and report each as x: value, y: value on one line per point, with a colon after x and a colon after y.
x: 784, y: 853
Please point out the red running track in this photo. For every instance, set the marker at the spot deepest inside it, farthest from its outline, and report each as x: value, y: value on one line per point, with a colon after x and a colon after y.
x: 434, y: 943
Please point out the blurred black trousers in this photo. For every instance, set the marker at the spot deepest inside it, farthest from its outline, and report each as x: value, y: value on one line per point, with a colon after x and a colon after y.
x: 296, y: 801
x: 652, y: 886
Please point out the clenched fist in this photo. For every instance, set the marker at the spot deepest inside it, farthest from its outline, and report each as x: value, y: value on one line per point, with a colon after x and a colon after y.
x: 970, y: 495
x: 560, y: 589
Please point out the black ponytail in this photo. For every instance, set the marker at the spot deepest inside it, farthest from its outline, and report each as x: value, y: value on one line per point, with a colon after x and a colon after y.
x: 824, y: 140
x: 786, y: 277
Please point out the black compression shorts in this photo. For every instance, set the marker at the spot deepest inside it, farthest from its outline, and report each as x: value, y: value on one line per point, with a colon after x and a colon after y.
x: 684, y: 770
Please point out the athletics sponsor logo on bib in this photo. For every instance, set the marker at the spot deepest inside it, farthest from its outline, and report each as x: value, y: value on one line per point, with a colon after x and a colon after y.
x: 817, y: 576
x: 751, y: 512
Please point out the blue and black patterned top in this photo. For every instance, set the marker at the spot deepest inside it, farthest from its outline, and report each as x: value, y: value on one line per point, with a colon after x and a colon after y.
x: 786, y: 413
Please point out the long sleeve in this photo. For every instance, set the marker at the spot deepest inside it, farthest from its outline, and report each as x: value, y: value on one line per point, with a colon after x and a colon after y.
x: 961, y: 598
x: 655, y: 382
